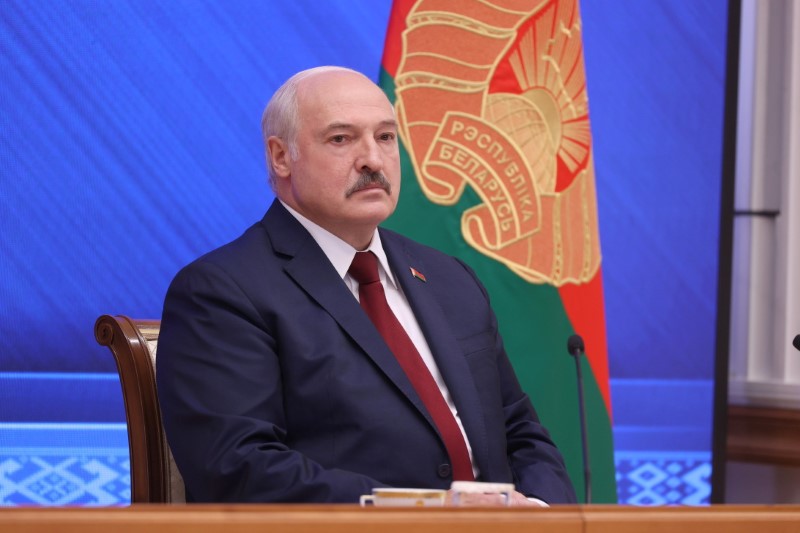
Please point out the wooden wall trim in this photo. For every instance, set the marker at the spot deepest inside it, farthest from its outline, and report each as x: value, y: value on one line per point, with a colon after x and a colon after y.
x: 763, y: 435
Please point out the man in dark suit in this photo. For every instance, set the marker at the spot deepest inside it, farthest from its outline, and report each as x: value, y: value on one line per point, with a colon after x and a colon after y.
x: 277, y: 382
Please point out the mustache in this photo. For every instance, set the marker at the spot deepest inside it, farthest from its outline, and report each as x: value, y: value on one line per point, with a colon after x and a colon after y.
x: 368, y: 179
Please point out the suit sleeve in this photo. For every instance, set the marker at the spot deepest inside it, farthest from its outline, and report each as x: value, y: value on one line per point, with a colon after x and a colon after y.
x: 220, y: 388
x: 536, y: 463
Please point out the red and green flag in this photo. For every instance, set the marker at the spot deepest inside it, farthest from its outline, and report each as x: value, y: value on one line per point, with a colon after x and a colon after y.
x: 497, y: 170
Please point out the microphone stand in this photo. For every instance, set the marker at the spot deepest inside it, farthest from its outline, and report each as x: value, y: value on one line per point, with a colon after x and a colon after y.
x: 576, y: 349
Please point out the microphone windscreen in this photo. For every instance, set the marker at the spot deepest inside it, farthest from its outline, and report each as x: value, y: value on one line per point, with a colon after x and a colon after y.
x: 575, y: 345
x: 796, y: 342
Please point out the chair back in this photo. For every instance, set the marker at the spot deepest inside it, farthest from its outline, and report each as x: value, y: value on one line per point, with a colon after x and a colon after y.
x: 154, y: 476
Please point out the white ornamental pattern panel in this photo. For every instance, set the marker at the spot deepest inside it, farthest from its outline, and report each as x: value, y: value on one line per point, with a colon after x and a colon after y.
x: 671, y: 478
x: 71, y: 477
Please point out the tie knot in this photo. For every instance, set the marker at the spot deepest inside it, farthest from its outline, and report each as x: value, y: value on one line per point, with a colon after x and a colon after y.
x: 364, y: 268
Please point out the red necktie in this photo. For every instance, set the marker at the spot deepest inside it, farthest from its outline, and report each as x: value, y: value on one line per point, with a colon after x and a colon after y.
x: 364, y: 270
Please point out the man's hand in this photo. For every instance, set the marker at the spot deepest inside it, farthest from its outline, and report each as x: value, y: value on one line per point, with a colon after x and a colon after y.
x: 468, y: 499
x: 520, y: 499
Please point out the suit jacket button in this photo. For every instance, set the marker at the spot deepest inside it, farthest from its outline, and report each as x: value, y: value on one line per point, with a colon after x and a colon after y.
x: 444, y: 470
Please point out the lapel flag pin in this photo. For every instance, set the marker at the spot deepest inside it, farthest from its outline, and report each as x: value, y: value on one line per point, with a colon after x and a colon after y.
x: 417, y: 274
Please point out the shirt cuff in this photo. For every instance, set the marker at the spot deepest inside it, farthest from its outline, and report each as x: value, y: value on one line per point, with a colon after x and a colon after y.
x: 540, y: 503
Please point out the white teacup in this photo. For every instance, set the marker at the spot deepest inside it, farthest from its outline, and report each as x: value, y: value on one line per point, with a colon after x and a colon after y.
x: 396, y: 497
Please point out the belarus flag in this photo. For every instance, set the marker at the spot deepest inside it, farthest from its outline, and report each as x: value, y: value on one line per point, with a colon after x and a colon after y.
x: 497, y: 170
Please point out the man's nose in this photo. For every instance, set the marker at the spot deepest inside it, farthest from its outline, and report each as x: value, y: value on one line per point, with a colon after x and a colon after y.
x: 370, y: 156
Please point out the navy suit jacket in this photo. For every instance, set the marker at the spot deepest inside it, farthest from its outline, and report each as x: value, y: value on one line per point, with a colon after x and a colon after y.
x: 276, y: 387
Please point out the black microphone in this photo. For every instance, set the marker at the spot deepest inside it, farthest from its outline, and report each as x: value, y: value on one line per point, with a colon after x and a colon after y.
x: 576, y: 349
x: 796, y: 342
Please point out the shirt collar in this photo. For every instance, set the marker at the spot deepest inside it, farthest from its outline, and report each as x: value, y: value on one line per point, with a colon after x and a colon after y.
x: 340, y: 253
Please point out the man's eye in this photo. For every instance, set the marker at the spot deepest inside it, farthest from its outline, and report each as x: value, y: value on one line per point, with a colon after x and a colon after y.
x: 387, y: 136
x: 338, y: 139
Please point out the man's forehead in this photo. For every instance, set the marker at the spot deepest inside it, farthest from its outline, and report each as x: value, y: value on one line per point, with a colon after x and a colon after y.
x: 389, y: 123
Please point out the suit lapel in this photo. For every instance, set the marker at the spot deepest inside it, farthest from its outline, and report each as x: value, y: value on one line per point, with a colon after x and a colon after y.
x: 308, y: 266
x: 441, y: 340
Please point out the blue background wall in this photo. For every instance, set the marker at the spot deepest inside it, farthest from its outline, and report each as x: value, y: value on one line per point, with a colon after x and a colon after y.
x: 130, y: 144
x: 655, y: 74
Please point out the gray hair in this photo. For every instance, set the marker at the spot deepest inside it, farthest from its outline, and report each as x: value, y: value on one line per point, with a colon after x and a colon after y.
x: 280, y: 117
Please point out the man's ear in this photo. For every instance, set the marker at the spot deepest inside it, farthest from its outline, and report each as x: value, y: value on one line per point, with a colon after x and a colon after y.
x: 279, y: 156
